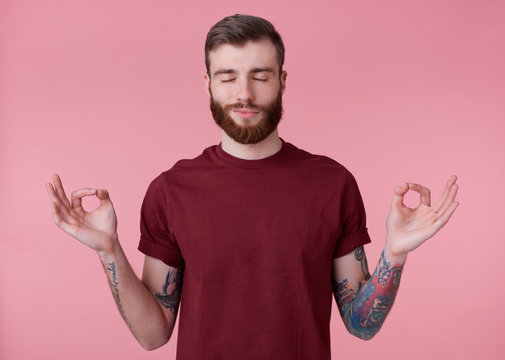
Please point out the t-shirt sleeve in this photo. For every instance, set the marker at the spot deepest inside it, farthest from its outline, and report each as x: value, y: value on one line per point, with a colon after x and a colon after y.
x: 353, y: 231
x: 156, y: 239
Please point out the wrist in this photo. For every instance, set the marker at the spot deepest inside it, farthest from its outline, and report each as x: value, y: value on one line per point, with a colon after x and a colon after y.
x: 395, y: 258
x: 108, y: 252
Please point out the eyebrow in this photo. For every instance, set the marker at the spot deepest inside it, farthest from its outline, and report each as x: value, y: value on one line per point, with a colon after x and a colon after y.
x: 262, y: 69
x: 252, y: 71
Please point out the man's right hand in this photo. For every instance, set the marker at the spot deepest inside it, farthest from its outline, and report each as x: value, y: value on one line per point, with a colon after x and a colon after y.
x: 96, y: 229
x: 155, y: 299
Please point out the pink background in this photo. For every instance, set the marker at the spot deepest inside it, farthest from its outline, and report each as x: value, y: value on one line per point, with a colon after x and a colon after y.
x: 111, y: 93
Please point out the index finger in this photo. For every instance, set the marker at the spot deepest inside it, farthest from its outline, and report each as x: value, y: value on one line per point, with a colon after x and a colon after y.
x: 77, y: 196
x: 424, y: 193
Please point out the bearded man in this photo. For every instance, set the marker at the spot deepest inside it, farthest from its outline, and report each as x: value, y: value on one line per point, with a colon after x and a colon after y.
x: 254, y: 235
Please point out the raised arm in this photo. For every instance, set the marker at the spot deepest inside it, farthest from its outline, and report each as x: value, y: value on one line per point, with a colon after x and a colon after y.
x: 364, y: 300
x: 149, y: 308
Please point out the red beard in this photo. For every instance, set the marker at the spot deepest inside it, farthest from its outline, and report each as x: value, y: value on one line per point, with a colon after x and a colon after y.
x: 251, y: 134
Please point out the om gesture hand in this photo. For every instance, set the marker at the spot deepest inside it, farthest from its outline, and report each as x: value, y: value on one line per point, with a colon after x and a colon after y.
x: 96, y: 229
x: 408, y: 228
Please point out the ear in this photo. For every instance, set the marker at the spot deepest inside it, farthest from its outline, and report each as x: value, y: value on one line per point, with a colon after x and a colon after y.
x: 207, y: 83
x: 284, y: 76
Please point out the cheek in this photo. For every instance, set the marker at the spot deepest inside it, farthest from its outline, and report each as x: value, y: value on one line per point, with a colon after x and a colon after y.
x: 266, y: 94
x: 220, y: 93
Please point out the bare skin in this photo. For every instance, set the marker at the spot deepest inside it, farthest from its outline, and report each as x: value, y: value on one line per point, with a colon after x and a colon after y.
x: 148, y: 307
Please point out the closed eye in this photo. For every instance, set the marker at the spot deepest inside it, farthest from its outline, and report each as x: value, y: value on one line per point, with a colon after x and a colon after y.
x: 230, y: 80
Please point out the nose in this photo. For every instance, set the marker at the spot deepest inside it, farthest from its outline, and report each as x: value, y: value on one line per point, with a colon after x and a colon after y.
x: 245, y: 92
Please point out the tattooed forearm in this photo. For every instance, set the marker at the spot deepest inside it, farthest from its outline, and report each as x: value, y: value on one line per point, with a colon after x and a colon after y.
x: 114, y: 287
x: 365, y: 310
x: 170, y: 298
x: 344, y: 294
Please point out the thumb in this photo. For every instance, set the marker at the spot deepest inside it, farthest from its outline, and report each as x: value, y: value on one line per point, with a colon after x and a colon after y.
x: 398, y: 195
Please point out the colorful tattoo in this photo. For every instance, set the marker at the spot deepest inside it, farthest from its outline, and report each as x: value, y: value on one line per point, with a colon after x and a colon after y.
x: 171, y: 300
x: 114, y: 286
x: 365, y: 309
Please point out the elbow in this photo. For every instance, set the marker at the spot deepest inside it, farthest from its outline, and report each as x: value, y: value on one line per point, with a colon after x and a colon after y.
x: 156, y: 336
x: 153, y: 345
x: 154, y: 342
x: 362, y: 333
x: 363, y: 330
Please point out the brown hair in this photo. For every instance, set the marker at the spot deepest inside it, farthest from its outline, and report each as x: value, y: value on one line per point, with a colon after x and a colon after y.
x: 237, y: 30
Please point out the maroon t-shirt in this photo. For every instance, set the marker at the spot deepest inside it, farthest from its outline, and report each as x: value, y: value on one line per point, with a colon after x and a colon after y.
x: 257, y: 239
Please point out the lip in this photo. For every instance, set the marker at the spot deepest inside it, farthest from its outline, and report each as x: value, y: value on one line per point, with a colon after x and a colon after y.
x: 245, y: 113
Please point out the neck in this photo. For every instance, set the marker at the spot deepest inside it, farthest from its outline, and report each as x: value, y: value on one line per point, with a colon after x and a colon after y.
x: 265, y: 148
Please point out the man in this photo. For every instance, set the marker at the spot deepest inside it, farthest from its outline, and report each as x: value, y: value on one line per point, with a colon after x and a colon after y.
x: 253, y: 235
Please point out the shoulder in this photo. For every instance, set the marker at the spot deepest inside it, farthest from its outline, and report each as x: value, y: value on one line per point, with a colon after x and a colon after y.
x: 320, y: 165
x: 205, y: 159
x: 184, y: 168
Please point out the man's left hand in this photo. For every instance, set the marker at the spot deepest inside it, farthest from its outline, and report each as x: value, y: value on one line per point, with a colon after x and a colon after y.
x: 407, y: 228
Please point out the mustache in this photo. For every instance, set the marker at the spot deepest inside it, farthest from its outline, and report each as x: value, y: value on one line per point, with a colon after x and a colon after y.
x: 243, y: 106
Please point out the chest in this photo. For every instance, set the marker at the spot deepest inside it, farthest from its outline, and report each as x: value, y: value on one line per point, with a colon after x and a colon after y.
x: 255, y: 220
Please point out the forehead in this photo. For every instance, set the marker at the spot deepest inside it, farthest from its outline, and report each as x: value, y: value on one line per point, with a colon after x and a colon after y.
x: 252, y: 54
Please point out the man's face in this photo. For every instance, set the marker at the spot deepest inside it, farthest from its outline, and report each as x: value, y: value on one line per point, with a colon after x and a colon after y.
x: 245, y: 90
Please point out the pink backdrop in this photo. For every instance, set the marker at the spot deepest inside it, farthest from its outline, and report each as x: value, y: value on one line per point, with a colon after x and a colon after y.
x: 110, y: 93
